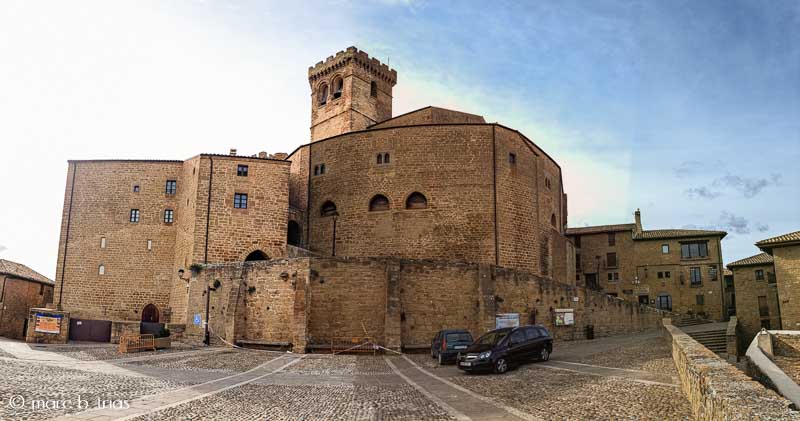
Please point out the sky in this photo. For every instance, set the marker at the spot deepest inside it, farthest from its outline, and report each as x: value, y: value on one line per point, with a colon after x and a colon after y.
x: 687, y: 110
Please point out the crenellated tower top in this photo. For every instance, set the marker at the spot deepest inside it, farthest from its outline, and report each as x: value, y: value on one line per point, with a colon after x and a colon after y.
x: 349, y: 91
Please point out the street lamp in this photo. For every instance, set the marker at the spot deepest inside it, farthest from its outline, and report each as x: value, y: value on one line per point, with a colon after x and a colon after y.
x: 209, y: 288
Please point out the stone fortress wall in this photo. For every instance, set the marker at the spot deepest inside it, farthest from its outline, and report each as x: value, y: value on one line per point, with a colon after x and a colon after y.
x: 400, y: 303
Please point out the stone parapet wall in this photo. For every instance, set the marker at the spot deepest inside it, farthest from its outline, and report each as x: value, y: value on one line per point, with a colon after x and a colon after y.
x: 717, y: 390
x: 397, y: 302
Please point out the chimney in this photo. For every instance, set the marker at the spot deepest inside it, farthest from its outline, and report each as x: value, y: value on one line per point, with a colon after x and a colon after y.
x: 638, y: 216
x: 233, y: 152
x: 262, y: 155
x: 280, y: 155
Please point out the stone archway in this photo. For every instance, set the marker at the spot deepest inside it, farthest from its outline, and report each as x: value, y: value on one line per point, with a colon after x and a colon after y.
x: 150, y: 314
x: 255, y: 256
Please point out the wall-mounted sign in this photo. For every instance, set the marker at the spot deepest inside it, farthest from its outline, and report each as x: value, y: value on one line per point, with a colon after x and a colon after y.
x: 565, y: 316
x: 47, y: 323
x: 502, y: 320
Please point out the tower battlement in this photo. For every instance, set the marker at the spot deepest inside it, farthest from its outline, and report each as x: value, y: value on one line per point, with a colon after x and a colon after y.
x: 352, y: 54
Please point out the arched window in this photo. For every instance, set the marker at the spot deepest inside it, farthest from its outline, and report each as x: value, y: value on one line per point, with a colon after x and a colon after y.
x: 380, y: 159
x: 294, y: 234
x: 553, y: 219
x: 328, y: 209
x: 416, y: 200
x: 373, y: 89
x: 316, y: 169
x: 386, y: 158
x: 323, y: 94
x: 322, y: 169
x: 338, y: 86
x: 379, y: 202
x: 255, y: 256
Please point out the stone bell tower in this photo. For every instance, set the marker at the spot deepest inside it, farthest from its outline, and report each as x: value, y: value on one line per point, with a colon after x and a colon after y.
x: 349, y: 91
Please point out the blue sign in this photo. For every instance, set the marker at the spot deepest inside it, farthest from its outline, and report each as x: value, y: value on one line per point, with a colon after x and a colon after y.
x: 197, y: 319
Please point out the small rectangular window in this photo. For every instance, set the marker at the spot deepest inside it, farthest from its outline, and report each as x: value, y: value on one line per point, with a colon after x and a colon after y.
x: 240, y: 201
x: 666, y: 274
x: 610, y: 276
x: 172, y: 187
x: 759, y: 275
x: 700, y: 299
x: 136, y: 188
x: 149, y: 244
x: 512, y: 158
x: 695, y: 276
x: 665, y: 249
x: 134, y: 215
x: 103, y: 242
x: 611, y: 260
x: 660, y: 275
x: 612, y: 239
x: 241, y: 170
x: 168, y: 215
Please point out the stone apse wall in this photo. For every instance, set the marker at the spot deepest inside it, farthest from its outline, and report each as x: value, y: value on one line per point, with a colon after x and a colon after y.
x: 400, y: 303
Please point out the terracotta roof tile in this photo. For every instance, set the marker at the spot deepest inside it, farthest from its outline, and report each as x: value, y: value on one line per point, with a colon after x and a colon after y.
x: 19, y: 270
x: 597, y: 229
x: 676, y: 233
x: 758, y: 259
x: 791, y: 237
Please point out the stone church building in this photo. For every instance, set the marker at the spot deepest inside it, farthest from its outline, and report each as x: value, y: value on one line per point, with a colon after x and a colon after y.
x: 387, y: 227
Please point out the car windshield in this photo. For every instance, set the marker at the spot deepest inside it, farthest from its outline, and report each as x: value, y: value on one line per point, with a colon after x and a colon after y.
x: 492, y: 338
x: 459, y: 337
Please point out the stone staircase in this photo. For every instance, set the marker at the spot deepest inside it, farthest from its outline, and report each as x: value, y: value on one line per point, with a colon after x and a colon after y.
x: 715, y: 340
x: 690, y: 321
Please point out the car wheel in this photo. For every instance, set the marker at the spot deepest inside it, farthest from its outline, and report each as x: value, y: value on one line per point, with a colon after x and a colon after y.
x: 441, y: 359
x: 545, y: 355
x: 501, y: 365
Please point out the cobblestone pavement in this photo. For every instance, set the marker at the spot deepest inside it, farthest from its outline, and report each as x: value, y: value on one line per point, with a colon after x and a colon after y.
x: 106, y: 352
x: 52, y: 391
x: 350, y: 387
x: 790, y: 366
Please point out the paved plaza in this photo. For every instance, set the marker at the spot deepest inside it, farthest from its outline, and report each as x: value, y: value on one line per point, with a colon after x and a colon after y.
x: 609, y: 378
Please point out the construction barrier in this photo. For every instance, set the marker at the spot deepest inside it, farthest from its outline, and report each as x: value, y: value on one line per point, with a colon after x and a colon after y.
x: 133, y: 343
x: 354, y: 344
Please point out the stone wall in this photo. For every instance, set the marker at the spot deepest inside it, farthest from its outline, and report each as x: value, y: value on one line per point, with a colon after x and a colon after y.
x: 33, y: 336
x: 399, y: 302
x: 787, y: 274
x: 717, y: 390
x: 748, y: 291
x: 17, y: 297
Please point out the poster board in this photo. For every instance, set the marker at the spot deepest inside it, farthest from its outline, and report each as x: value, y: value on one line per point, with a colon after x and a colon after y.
x: 47, y: 323
x: 565, y: 316
x: 506, y: 320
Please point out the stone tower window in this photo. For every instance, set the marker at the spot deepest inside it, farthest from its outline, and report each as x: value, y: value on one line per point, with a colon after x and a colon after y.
x: 416, y: 200
x: 240, y: 200
x: 323, y: 94
x: 316, y: 169
x: 512, y: 158
x: 321, y: 169
x: 172, y: 187
x: 386, y: 158
x: 241, y: 170
x: 103, y: 242
x: 379, y: 202
x: 553, y: 220
x: 338, y: 87
x: 136, y: 188
x: 101, y: 270
x: 383, y: 158
x: 134, y: 215
x: 380, y: 159
x: 168, y: 215
x: 328, y: 209
x: 373, y: 89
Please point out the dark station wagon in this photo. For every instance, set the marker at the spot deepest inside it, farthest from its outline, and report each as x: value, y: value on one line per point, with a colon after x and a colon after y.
x: 448, y: 343
x: 502, y: 349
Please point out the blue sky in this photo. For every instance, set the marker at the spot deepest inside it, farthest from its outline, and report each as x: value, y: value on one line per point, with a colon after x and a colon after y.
x: 688, y: 110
